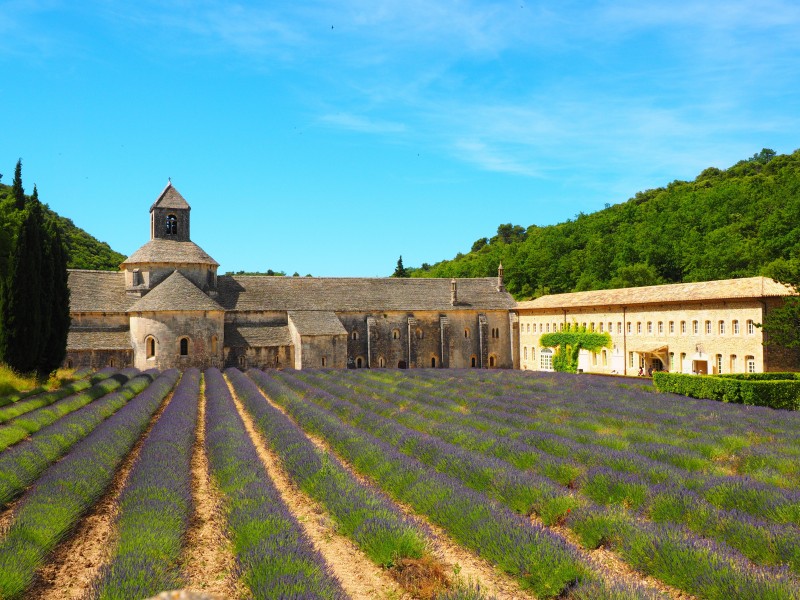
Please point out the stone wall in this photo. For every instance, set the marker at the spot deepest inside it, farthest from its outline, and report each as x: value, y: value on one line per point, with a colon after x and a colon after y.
x: 269, y: 357
x: 98, y: 359
x: 426, y: 339
x: 204, y: 331
x: 203, y: 276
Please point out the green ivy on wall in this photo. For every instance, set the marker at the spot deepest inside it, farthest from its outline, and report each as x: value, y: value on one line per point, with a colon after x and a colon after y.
x: 570, y: 342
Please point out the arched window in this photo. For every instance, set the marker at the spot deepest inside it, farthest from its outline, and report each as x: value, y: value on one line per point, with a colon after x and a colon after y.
x: 525, y: 353
x: 433, y: 362
x: 546, y: 360
x: 110, y: 362
x: 474, y: 361
x: 241, y: 361
x: 150, y: 347
x: 750, y: 363
x: 172, y: 225
x: 492, y: 360
x: 69, y: 363
x: 466, y: 332
x: 395, y: 334
x: 325, y: 361
x: 381, y: 362
x: 184, y: 349
x: 354, y: 335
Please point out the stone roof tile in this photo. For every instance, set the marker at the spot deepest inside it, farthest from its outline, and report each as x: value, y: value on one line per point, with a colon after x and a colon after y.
x: 97, y: 291
x: 170, y: 198
x: 316, y: 322
x: 243, y: 293
x: 749, y: 287
x: 169, y: 251
x: 174, y: 293
x: 246, y: 335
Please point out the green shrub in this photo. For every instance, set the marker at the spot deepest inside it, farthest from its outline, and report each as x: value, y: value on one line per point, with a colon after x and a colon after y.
x: 775, y: 390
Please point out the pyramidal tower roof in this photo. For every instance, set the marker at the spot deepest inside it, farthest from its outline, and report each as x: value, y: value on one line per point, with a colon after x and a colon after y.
x: 175, y: 293
x: 170, y: 198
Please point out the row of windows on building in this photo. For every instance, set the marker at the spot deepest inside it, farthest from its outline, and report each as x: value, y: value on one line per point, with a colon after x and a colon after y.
x: 420, y: 334
x: 709, y: 327
x: 360, y: 363
x: 722, y: 365
x: 183, y: 346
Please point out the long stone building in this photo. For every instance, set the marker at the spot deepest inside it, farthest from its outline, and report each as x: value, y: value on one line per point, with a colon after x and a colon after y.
x: 704, y: 328
x: 168, y: 307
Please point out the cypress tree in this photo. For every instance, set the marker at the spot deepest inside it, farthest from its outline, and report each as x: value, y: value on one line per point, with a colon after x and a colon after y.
x: 22, y: 331
x: 55, y: 344
x: 17, y: 191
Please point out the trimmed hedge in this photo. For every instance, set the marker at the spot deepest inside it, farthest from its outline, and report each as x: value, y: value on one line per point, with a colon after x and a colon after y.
x: 762, y: 390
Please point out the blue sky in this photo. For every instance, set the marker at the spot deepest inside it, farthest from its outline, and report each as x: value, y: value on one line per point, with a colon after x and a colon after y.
x: 331, y: 137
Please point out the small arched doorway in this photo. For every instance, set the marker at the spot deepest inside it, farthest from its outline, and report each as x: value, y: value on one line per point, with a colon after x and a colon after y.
x: 433, y: 362
x: 359, y: 362
x: 184, y: 346
x: 473, y: 361
x: 492, y: 361
x: 402, y: 365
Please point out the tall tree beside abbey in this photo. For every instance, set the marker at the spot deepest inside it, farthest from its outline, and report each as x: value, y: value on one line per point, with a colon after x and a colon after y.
x: 34, y: 297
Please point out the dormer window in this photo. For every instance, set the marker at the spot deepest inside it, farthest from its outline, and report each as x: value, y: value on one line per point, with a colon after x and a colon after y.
x: 172, y: 225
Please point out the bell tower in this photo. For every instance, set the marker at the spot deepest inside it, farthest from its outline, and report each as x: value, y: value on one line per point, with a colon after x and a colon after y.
x: 169, y: 216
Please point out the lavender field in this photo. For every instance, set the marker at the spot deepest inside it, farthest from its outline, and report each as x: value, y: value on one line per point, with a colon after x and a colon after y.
x: 399, y: 484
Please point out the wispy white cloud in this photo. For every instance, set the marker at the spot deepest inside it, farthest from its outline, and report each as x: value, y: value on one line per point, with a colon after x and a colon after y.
x: 362, y: 124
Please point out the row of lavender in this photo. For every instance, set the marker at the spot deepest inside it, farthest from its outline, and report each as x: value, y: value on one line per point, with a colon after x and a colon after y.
x: 543, y: 562
x: 658, y: 492
x: 514, y: 418
x: 275, y: 559
x: 674, y: 555
x: 67, y: 489
x: 23, y: 462
x: 155, y: 505
x: 763, y: 443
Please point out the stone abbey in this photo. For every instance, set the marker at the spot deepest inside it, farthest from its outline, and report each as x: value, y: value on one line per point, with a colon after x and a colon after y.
x: 168, y: 307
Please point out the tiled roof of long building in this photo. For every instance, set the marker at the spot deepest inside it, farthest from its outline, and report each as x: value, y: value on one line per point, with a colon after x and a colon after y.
x: 98, y: 291
x: 246, y: 335
x: 749, y: 287
x: 316, y: 322
x: 243, y: 293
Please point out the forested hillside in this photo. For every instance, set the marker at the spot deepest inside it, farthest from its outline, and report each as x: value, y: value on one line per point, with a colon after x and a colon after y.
x: 738, y: 222
x: 83, y: 250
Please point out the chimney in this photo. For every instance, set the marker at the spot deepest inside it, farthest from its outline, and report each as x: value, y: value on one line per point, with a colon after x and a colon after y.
x: 453, y: 292
x: 500, y: 286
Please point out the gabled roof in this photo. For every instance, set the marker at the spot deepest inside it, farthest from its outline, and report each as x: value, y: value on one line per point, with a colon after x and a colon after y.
x: 316, y: 322
x: 242, y: 293
x: 170, y: 198
x: 174, y: 293
x: 97, y: 291
x: 169, y: 251
x: 725, y: 289
x: 245, y: 335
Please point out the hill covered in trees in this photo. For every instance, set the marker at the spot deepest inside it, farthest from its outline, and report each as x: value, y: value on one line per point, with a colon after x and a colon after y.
x: 83, y: 250
x: 738, y: 222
